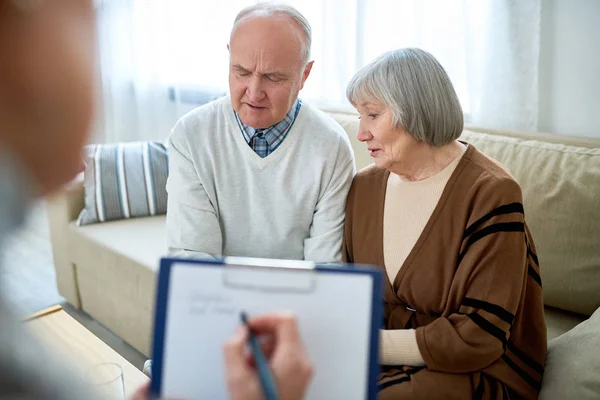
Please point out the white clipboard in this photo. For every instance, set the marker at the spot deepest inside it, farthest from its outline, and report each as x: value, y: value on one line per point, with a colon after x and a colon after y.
x: 339, y: 311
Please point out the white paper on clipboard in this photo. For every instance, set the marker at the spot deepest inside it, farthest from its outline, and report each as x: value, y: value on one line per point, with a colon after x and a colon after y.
x: 199, y: 305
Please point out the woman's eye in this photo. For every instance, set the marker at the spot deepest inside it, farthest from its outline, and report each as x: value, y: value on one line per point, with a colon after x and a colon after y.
x: 372, y: 116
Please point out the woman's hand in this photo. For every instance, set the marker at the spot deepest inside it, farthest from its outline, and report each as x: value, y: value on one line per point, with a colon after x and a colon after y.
x: 287, y: 357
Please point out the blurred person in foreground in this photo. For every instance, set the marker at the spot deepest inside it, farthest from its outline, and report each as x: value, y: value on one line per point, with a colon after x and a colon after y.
x: 47, y: 59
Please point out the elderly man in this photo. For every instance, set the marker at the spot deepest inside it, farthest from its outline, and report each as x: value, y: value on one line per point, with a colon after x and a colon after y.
x: 259, y: 173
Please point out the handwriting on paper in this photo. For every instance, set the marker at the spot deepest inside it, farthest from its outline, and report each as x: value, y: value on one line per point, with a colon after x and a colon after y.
x: 202, y: 303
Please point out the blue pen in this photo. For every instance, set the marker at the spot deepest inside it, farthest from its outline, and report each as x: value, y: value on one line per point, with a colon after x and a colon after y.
x: 264, y: 372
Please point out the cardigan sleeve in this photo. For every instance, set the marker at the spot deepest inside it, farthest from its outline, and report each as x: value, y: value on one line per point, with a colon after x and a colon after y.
x: 492, y: 268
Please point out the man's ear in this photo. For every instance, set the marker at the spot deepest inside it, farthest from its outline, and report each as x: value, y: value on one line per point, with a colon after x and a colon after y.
x: 306, y: 73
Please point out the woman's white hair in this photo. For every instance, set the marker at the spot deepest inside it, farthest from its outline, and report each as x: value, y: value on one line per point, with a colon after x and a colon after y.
x: 268, y: 9
x: 418, y: 91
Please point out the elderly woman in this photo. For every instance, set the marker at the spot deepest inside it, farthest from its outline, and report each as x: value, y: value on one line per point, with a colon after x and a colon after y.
x: 463, y: 302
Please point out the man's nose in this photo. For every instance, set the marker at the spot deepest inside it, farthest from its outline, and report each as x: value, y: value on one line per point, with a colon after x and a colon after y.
x: 255, y: 90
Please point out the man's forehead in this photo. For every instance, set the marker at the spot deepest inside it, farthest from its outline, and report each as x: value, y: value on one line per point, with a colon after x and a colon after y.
x: 250, y: 68
x: 264, y: 59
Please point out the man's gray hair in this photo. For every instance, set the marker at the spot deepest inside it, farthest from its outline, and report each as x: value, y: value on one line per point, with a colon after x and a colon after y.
x: 268, y: 9
x: 418, y: 91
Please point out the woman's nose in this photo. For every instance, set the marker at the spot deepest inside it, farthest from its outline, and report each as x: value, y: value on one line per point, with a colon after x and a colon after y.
x: 363, y: 135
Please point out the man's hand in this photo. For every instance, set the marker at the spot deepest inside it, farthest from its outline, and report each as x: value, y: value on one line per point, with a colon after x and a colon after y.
x: 287, y: 357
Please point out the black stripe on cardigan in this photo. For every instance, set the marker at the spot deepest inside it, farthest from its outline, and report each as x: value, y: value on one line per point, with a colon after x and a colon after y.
x: 488, y: 327
x: 502, y: 210
x: 489, y: 230
x: 533, y: 256
x: 393, y: 382
x: 534, y: 275
x: 478, y: 395
x: 526, y: 377
x: 505, y: 394
x: 537, y: 367
x: 500, y: 335
x: 405, y: 378
x: 491, y: 308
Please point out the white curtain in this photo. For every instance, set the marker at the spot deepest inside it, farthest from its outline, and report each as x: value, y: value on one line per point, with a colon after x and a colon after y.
x: 161, y: 58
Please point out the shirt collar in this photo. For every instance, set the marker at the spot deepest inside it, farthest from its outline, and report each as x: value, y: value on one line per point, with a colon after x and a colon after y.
x: 275, y: 133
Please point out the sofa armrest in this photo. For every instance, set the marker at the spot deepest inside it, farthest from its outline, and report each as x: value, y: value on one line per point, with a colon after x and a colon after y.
x: 63, y: 208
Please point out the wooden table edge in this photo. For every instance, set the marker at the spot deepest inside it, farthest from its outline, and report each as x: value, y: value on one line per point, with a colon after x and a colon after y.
x: 43, y: 313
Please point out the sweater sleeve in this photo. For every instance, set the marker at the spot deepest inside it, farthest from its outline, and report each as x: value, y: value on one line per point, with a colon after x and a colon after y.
x: 399, y: 347
x: 193, y: 228
x: 492, y: 267
x: 324, y: 243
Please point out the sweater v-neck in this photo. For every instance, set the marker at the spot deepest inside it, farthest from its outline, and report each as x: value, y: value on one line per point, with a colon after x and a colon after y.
x: 394, y: 283
x: 256, y: 160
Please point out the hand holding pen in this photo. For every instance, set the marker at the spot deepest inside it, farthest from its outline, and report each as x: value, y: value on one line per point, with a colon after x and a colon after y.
x: 288, y: 364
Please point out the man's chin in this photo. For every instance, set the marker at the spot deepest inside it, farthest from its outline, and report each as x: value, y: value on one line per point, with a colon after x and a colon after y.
x: 255, y: 121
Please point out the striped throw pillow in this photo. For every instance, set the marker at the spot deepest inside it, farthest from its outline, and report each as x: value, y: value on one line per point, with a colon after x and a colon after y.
x: 124, y: 180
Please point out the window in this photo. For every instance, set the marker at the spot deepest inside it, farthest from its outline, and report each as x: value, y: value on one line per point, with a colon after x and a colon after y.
x: 489, y: 49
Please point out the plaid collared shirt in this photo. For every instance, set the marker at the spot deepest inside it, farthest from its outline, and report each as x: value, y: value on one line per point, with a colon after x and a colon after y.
x: 265, y: 141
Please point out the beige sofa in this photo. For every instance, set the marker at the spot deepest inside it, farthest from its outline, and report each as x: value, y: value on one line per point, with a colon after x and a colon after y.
x: 109, y: 269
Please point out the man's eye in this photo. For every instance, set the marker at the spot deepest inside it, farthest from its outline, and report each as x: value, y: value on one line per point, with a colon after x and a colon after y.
x: 373, y: 116
x: 273, y: 78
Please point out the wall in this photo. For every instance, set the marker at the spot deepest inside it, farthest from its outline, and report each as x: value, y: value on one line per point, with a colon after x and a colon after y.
x: 570, y: 67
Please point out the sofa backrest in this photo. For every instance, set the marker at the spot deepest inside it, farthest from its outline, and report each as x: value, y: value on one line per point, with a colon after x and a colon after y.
x: 560, y: 179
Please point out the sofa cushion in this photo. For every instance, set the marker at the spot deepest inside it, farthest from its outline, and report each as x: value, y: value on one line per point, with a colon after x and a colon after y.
x: 116, y: 263
x: 143, y: 240
x: 560, y: 321
x: 573, y: 363
x: 561, y: 188
x: 124, y: 180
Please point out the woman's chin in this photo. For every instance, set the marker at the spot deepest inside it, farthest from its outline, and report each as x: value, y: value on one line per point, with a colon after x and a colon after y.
x: 380, y: 163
